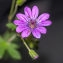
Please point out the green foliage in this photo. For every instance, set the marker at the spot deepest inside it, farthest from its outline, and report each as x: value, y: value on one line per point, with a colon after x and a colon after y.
x: 9, y: 47
x: 32, y: 42
x: 13, y: 52
x: 11, y: 26
x: 20, y: 2
x: 8, y: 35
x: 14, y: 46
x: 2, y: 51
x: 2, y: 47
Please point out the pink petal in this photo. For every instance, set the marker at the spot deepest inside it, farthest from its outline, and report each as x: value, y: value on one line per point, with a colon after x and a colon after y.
x: 43, y: 17
x: 26, y: 33
x: 43, y: 30
x: 18, y: 22
x: 45, y: 23
x: 22, y: 17
x: 36, y: 33
x: 27, y: 11
x: 35, y: 12
x: 20, y: 28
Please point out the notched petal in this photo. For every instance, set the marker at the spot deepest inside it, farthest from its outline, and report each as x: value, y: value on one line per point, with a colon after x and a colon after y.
x: 25, y: 33
x: 45, y: 23
x: 17, y: 22
x: 42, y: 30
x: 22, y: 17
x: 20, y: 28
x: 43, y: 17
x: 27, y: 11
x: 36, y: 33
x: 35, y: 12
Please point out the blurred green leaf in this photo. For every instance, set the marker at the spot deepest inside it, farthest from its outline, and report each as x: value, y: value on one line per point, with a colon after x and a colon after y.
x: 14, y: 53
x: 13, y: 45
x: 1, y: 39
x: 3, y: 47
x: 2, y: 52
x: 8, y: 35
x: 20, y: 2
x: 10, y: 48
x: 11, y: 26
x: 31, y: 45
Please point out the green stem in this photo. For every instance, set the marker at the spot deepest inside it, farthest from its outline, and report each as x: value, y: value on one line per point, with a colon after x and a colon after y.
x: 12, y: 15
x: 12, y: 38
x: 25, y: 44
x: 12, y: 8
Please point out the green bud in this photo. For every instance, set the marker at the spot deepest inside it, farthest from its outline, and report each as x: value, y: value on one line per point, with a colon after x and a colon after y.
x: 20, y: 2
x: 31, y: 45
x: 33, y: 54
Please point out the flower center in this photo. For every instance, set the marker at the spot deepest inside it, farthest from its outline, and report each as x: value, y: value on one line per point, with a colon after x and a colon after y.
x: 32, y: 24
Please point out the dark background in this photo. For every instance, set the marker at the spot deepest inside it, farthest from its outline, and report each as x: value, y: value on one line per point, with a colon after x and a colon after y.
x: 51, y: 44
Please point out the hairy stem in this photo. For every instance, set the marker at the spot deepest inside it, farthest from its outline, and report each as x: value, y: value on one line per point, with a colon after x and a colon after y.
x: 25, y: 44
x: 14, y: 36
x: 12, y: 16
x: 12, y: 8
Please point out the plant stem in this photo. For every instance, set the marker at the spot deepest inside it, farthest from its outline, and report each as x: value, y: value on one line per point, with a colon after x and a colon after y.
x: 12, y: 16
x: 12, y: 8
x: 12, y: 38
x: 25, y: 44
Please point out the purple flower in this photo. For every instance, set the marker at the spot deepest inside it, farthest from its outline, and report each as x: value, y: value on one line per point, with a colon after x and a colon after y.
x: 30, y: 23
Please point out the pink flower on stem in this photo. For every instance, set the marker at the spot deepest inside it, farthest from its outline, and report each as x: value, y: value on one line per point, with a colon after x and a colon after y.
x: 30, y: 23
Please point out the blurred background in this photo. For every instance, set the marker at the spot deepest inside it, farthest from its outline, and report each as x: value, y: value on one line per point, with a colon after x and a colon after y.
x: 51, y: 45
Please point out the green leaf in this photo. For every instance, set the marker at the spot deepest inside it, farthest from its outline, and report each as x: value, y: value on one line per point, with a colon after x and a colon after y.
x: 11, y: 26
x: 14, y: 53
x: 7, y: 35
x: 13, y: 45
x: 1, y: 39
x: 2, y: 52
x: 3, y: 47
x: 20, y: 2
x: 3, y: 43
x: 10, y: 47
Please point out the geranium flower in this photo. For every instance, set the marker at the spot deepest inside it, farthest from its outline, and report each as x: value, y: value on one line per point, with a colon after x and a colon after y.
x: 30, y: 23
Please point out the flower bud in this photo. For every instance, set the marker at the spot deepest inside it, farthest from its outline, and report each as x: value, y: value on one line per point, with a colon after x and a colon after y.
x: 33, y: 54
x: 20, y: 2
